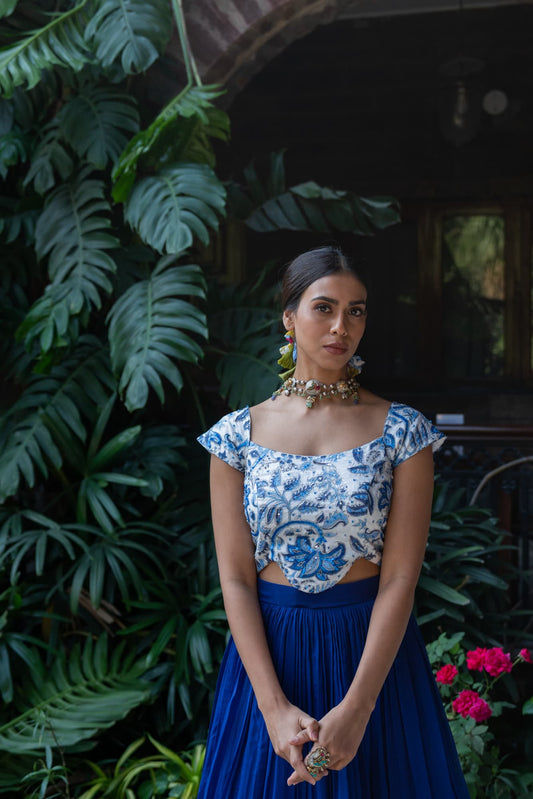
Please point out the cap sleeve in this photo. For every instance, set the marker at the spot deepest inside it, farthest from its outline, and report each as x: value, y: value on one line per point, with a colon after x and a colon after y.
x: 228, y: 439
x: 408, y: 432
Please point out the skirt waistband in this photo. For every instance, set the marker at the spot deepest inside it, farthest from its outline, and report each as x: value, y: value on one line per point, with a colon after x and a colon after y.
x: 341, y: 594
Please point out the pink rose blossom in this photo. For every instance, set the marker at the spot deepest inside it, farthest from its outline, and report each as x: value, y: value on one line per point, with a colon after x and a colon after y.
x: 464, y: 702
x: 469, y: 703
x: 525, y: 654
x: 480, y: 710
x: 447, y: 674
x: 475, y: 660
x: 497, y: 661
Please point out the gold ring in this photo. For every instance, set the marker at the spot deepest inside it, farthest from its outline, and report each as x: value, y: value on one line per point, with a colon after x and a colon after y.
x: 317, y: 760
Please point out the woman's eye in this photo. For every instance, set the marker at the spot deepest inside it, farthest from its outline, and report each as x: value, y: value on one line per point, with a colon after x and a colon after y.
x: 322, y: 307
x: 358, y: 312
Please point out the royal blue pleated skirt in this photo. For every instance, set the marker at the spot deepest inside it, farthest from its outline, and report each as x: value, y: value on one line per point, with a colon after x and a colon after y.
x: 316, y: 641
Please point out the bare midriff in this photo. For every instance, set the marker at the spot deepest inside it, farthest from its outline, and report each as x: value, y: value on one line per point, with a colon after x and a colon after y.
x: 359, y: 570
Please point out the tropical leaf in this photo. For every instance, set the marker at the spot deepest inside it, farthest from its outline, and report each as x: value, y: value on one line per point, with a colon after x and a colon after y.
x: 311, y: 207
x: 117, y: 560
x: 44, y: 542
x: 155, y: 457
x: 266, y: 204
x: 99, y: 475
x: 50, y: 158
x: 59, y: 43
x: 15, y: 219
x: 244, y: 336
x: 13, y: 149
x: 7, y: 7
x: 175, y: 205
x: 133, y: 32
x: 180, y: 132
x: 98, y: 122
x: 73, y: 232
x: 81, y: 694
x: 49, y: 415
x: 146, y: 327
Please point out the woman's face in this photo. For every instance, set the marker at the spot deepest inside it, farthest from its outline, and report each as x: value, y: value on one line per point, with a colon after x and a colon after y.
x: 328, y: 324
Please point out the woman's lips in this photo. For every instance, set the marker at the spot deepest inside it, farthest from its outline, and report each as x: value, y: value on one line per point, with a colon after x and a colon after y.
x: 334, y: 349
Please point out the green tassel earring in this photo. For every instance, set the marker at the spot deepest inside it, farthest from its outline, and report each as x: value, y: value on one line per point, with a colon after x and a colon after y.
x: 288, y: 356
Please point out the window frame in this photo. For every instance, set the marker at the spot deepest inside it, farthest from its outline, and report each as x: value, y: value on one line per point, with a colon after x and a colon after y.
x: 517, y: 282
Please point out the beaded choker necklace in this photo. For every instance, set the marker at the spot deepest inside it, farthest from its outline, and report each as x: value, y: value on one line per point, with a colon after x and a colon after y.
x: 313, y: 390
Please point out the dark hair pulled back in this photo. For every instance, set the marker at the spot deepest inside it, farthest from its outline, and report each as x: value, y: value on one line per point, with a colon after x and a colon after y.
x: 311, y: 266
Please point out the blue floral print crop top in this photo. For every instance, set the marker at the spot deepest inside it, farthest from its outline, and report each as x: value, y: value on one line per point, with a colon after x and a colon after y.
x: 315, y: 515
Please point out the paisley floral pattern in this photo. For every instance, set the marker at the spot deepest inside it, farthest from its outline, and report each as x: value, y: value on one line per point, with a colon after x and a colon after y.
x: 314, y: 515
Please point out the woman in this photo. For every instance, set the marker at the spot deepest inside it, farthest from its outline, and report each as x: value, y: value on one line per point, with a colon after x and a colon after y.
x: 325, y: 689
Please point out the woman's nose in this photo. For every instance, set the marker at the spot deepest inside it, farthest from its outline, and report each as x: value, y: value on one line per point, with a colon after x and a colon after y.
x: 339, y: 326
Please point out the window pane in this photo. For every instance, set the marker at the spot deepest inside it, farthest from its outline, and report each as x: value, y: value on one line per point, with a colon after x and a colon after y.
x: 473, y: 295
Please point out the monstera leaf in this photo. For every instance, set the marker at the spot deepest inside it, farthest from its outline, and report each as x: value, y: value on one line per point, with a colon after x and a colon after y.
x: 73, y: 231
x: 179, y: 203
x: 146, y: 330
x: 59, y: 43
x: 50, y: 158
x: 267, y: 204
x: 180, y: 132
x: 98, y: 122
x: 132, y: 32
x: 311, y: 207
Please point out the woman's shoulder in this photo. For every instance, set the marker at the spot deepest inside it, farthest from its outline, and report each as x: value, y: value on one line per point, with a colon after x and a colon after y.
x: 407, y: 431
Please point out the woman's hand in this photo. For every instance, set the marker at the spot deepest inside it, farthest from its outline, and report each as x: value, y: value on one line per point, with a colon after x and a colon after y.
x: 340, y: 732
x: 285, y: 725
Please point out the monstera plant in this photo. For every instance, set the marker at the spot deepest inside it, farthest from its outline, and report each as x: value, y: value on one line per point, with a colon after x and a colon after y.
x: 109, y: 600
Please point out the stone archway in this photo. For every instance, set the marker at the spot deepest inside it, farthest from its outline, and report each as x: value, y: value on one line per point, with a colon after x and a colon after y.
x: 233, y: 39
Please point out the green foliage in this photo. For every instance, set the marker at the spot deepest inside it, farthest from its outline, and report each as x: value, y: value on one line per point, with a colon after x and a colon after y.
x: 244, y: 340
x: 131, y: 32
x: 166, y: 774
x: 7, y: 7
x: 464, y: 581
x: 146, y: 327
x: 180, y: 132
x: 268, y: 205
x: 78, y: 696
x: 49, y: 416
x: 179, y: 203
x: 74, y: 234
x: 98, y: 122
x: 51, y: 157
x: 59, y: 43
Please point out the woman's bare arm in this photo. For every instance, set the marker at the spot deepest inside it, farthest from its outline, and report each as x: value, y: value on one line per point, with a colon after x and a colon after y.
x: 342, y: 729
x: 238, y: 578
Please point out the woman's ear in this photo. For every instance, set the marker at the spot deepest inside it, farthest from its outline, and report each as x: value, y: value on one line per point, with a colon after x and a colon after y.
x: 288, y: 320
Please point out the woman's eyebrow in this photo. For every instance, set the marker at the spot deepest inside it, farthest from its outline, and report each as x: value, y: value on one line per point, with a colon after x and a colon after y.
x: 336, y: 302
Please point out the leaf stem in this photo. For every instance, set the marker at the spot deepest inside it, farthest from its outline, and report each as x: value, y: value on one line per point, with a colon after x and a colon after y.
x: 193, y: 76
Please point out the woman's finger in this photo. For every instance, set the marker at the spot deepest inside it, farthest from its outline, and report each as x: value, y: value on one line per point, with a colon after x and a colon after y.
x: 308, y: 733
x: 303, y: 737
x: 296, y: 777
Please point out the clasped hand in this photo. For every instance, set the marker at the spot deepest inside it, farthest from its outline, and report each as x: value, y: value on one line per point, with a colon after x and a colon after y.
x: 341, y: 732
x: 290, y: 719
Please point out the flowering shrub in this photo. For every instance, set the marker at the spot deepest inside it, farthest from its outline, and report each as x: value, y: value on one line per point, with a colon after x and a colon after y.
x: 465, y: 681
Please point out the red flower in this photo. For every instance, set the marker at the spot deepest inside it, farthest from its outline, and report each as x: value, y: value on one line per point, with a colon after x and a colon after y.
x: 525, y: 654
x: 497, y: 661
x: 447, y: 674
x: 469, y: 703
x: 480, y: 710
x: 475, y: 660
